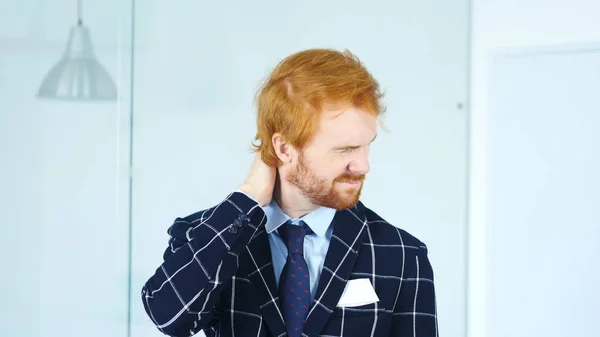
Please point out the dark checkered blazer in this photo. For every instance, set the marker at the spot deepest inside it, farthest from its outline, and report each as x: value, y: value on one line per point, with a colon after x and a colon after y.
x: 217, y: 276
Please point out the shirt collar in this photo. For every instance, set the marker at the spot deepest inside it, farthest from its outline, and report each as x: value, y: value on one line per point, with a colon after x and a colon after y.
x: 318, y: 220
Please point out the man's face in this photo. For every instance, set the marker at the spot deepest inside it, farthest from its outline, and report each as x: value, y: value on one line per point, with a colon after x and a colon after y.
x: 331, y: 169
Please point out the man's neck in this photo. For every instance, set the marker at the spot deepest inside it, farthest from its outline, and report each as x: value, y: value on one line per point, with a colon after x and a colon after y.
x: 291, y: 201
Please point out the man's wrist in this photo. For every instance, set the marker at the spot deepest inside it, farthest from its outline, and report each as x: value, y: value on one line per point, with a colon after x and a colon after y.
x: 246, y: 190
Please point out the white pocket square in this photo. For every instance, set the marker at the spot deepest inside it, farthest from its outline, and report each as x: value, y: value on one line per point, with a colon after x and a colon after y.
x: 358, y: 292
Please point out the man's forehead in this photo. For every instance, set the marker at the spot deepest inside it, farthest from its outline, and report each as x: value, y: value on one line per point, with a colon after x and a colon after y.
x: 350, y: 117
x: 350, y: 136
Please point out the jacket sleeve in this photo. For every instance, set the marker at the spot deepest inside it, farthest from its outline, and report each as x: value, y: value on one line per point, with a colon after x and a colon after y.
x: 182, y: 296
x: 415, y: 313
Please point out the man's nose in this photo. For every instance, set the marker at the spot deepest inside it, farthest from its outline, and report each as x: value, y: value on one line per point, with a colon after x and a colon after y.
x: 360, y: 164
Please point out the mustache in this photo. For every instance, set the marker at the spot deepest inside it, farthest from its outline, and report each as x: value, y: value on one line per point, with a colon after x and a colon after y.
x: 353, y: 178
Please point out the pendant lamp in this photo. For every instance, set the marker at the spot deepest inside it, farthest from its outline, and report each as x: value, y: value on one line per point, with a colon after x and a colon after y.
x: 78, y: 75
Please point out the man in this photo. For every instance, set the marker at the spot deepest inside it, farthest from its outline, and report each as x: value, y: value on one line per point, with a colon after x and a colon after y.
x: 293, y: 251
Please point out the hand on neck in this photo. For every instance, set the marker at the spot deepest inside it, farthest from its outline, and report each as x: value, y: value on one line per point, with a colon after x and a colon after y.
x: 291, y: 201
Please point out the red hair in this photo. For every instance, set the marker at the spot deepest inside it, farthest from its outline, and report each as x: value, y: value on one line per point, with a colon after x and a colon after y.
x: 301, y: 87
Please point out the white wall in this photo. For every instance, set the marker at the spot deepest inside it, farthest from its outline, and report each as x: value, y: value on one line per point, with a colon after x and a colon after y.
x: 507, y: 24
x: 194, y: 118
x: 63, y: 178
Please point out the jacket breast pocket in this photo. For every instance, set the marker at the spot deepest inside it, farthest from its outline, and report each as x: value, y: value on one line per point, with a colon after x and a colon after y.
x: 367, y: 309
x: 359, y: 321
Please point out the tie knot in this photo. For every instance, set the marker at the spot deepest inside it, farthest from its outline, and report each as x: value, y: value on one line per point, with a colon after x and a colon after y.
x: 293, y: 236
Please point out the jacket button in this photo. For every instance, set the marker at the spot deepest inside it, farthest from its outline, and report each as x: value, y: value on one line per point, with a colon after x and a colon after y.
x: 233, y: 230
x: 237, y: 223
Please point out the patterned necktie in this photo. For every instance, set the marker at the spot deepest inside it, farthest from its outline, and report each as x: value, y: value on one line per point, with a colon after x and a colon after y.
x: 294, y: 283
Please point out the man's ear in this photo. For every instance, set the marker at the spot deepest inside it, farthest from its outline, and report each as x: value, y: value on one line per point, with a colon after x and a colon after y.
x: 284, y: 150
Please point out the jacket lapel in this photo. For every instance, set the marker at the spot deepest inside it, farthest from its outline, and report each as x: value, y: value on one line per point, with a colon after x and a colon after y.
x: 262, y: 277
x: 349, y: 228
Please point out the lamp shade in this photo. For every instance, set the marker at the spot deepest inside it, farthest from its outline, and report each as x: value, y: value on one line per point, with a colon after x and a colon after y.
x: 78, y: 75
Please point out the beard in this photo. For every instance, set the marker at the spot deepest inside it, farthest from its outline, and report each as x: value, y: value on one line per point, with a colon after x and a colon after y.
x: 323, y: 193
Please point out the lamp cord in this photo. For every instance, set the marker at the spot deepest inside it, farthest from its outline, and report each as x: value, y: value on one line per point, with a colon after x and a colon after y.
x: 79, y: 19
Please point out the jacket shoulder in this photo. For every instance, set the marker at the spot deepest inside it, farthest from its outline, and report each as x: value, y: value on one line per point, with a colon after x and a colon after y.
x: 384, y: 232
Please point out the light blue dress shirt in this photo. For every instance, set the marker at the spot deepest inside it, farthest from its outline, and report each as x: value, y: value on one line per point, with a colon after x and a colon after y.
x: 315, y: 244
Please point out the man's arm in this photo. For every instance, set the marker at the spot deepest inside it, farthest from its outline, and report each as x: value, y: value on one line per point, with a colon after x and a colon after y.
x: 182, y: 296
x: 415, y: 313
